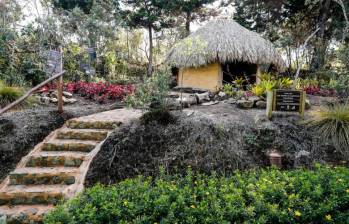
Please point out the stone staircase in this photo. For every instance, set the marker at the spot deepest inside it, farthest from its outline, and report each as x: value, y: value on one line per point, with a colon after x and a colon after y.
x: 56, y: 169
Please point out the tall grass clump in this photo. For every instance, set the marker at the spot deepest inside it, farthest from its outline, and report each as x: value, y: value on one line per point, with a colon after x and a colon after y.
x: 332, y: 123
x: 9, y: 94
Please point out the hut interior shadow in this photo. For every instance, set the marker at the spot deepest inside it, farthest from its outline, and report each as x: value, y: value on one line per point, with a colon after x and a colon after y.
x: 234, y: 70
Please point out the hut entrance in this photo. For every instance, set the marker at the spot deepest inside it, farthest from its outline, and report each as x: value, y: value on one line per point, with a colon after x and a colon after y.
x: 235, y: 70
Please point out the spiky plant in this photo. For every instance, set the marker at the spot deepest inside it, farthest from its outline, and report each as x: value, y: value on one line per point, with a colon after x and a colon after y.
x: 332, y: 123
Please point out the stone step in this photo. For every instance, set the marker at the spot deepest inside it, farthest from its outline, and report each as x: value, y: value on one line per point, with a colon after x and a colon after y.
x: 69, y: 145
x: 82, y: 134
x: 56, y: 159
x: 31, y: 195
x: 25, y: 214
x: 92, y: 124
x: 38, y: 176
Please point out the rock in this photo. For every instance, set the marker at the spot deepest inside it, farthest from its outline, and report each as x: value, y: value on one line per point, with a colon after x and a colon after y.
x: 45, y: 100
x: 71, y: 101
x: 189, y: 90
x: 202, y: 97
x: 245, y: 104
x: 173, y: 95
x: 210, y: 103
x: 67, y: 94
x: 222, y: 94
x: 307, y: 104
x: 187, y: 100
x: 261, y: 104
x: 53, y: 100
x: 231, y: 101
x: 255, y: 99
x: 54, y: 95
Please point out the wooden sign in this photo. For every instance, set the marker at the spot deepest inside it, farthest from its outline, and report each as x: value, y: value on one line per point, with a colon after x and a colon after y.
x: 285, y: 100
x: 54, y: 62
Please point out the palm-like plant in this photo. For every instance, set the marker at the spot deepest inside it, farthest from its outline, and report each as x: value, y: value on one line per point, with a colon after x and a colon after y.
x: 332, y: 123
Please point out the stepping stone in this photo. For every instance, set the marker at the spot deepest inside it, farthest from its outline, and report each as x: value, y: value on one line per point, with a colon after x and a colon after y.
x: 24, y: 213
x: 56, y: 159
x: 39, y: 176
x: 86, y: 124
x: 69, y: 145
x: 31, y: 195
x: 82, y: 134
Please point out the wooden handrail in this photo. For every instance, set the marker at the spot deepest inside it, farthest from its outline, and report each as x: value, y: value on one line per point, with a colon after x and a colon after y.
x: 30, y: 92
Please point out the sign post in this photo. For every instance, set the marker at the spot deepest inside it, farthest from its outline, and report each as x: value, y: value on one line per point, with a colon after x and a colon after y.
x: 55, y: 66
x: 60, y: 85
x: 285, y: 100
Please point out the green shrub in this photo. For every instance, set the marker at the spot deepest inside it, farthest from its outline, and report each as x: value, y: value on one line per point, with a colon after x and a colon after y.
x: 229, y: 90
x: 257, y: 196
x: 153, y: 91
x: 332, y: 123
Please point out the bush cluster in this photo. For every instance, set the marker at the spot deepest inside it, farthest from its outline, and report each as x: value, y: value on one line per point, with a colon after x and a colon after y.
x: 256, y: 196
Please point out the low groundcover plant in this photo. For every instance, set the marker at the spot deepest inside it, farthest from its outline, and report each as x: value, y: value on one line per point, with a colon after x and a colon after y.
x: 257, y: 196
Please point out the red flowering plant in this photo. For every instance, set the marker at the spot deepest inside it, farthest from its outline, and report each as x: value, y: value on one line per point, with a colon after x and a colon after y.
x: 100, y: 91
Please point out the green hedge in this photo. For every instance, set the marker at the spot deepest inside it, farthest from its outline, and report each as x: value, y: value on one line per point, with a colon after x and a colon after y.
x: 259, y: 196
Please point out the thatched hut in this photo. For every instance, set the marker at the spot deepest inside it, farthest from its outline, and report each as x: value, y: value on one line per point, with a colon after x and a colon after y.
x: 220, y: 52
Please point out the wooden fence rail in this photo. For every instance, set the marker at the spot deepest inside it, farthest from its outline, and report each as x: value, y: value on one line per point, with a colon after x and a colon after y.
x: 58, y: 76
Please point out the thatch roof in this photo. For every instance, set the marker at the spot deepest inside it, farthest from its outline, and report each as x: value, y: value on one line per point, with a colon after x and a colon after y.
x: 223, y: 41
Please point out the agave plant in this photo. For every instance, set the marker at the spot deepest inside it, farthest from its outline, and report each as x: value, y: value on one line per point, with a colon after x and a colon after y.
x: 332, y: 123
x: 284, y: 83
x: 258, y: 90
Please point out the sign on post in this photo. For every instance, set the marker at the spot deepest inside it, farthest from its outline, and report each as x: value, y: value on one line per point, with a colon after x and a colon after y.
x: 284, y: 100
x: 54, y: 66
x: 54, y: 62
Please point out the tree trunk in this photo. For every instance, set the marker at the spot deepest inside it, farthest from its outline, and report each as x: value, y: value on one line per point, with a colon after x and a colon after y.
x: 187, y: 23
x: 321, y: 44
x: 150, y: 64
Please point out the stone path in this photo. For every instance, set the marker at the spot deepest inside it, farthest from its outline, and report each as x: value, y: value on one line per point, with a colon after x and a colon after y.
x: 56, y: 168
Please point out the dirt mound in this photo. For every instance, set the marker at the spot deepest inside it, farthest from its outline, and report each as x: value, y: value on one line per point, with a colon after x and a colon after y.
x: 207, y: 143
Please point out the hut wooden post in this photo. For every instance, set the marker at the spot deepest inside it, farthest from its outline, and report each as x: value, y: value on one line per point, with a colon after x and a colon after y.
x: 258, y: 74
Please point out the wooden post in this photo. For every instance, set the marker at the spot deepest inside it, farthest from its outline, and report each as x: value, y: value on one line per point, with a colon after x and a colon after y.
x: 60, y: 86
x: 270, y: 103
x: 258, y: 75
